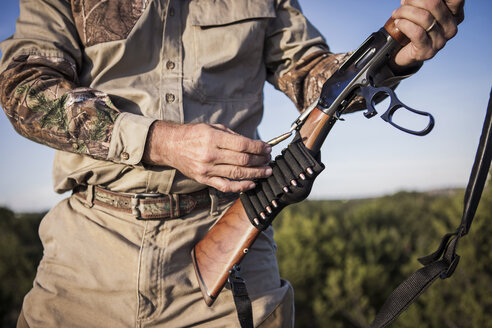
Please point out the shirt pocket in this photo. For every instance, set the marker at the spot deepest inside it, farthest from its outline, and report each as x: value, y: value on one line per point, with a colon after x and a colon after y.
x: 99, y: 21
x: 228, y: 46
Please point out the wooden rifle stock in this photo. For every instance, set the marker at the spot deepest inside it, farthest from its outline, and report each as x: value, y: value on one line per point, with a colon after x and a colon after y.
x: 230, y: 238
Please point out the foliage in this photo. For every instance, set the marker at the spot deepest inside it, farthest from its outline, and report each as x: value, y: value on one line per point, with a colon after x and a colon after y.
x: 20, y: 252
x: 345, y: 257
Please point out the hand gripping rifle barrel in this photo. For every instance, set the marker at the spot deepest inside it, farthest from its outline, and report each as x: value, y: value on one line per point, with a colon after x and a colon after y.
x: 229, y: 240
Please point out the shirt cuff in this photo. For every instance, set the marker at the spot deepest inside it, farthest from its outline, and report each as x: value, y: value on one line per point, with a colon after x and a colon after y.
x: 128, y: 139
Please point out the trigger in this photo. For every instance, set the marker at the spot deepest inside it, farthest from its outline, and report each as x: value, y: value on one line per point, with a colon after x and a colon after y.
x: 370, y: 112
x: 368, y: 94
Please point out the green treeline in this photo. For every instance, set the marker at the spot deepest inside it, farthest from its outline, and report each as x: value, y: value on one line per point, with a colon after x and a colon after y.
x: 343, y: 258
x: 20, y: 253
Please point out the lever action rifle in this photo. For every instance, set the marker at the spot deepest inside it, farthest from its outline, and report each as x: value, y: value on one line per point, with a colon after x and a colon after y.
x: 227, y: 242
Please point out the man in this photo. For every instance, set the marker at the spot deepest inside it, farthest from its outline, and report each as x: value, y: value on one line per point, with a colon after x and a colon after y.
x: 153, y: 106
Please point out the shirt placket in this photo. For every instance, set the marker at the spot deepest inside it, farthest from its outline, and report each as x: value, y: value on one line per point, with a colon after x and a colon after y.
x: 171, y: 63
x: 171, y: 80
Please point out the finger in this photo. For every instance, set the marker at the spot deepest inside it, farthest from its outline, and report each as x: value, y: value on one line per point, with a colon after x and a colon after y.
x: 457, y: 9
x: 240, y: 172
x: 226, y: 156
x: 420, y: 46
x: 419, y: 16
x: 417, y: 33
x: 242, y: 144
x: 226, y: 185
x: 438, y: 10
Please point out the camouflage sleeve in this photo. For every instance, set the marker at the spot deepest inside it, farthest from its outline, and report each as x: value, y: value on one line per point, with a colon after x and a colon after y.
x: 303, y: 82
x: 41, y: 99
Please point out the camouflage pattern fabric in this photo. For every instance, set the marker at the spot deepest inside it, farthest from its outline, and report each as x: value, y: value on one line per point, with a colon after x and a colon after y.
x: 100, y: 21
x: 44, y: 106
x: 303, y: 83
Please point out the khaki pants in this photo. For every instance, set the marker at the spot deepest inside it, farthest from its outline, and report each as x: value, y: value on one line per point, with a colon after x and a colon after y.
x: 102, y: 268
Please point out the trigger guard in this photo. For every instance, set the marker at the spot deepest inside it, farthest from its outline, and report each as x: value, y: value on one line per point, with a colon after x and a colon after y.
x: 388, y: 117
x: 369, y: 92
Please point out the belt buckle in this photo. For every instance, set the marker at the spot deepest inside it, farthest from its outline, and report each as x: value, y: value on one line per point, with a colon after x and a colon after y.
x: 135, y: 203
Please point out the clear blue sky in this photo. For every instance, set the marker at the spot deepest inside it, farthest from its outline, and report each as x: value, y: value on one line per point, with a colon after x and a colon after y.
x: 363, y: 157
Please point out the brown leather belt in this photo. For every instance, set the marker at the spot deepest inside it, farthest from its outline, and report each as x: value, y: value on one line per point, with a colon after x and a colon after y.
x: 151, y: 206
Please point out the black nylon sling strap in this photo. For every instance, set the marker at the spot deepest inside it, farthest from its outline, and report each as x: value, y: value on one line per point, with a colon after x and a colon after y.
x: 241, y: 298
x: 434, y: 265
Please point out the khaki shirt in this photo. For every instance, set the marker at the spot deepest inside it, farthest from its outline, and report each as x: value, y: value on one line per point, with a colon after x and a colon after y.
x: 88, y: 77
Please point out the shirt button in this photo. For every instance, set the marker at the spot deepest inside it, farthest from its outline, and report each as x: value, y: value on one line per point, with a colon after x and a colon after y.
x: 170, y: 65
x: 170, y: 97
x: 125, y: 156
x: 171, y: 11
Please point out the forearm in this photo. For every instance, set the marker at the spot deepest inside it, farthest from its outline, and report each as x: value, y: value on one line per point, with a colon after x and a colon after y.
x: 303, y: 82
x: 41, y: 94
x: 41, y: 98
x: 160, y: 142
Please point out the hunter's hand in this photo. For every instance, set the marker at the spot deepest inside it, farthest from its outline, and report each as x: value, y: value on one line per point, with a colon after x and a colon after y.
x: 210, y: 154
x: 429, y: 24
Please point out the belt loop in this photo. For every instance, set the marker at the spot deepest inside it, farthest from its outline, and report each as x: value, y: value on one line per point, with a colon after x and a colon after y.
x: 90, y: 196
x: 214, y: 201
x: 171, y: 206
x: 177, y: 202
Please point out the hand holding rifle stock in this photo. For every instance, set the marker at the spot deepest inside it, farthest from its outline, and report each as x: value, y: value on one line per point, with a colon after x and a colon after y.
x: 230, y: 238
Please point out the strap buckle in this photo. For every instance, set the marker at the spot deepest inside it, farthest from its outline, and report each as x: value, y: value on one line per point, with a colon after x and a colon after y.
x: 135, y: 203
x: 452, y: 266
